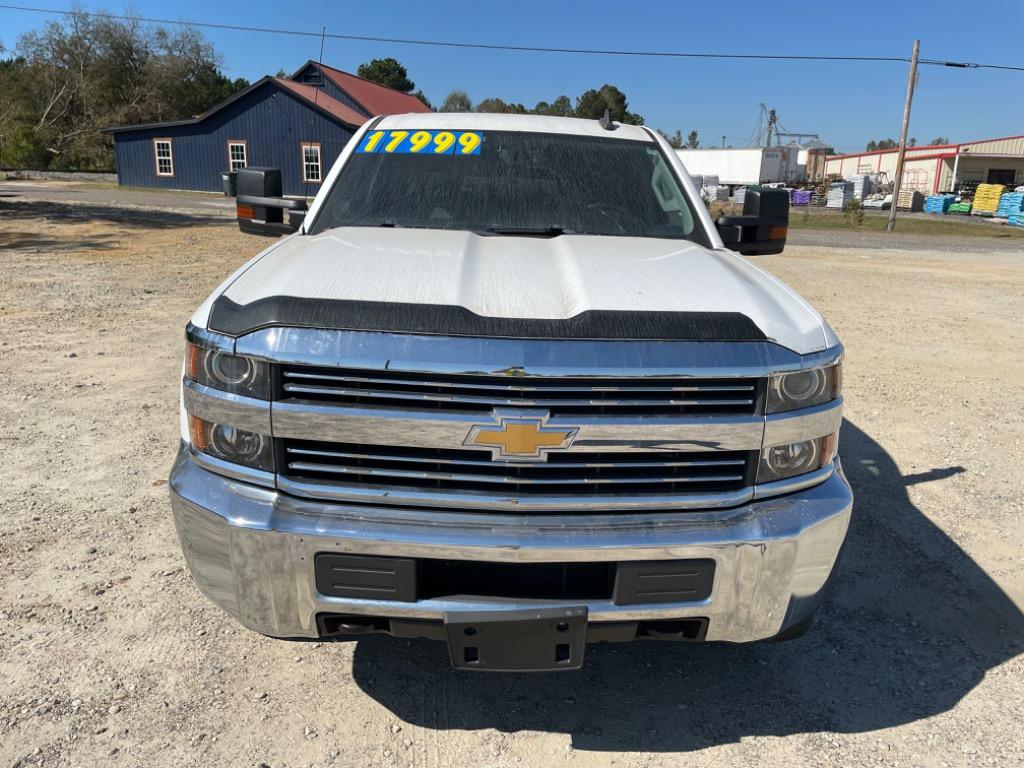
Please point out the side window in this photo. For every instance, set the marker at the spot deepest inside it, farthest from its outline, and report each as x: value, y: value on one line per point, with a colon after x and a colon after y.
x: 669, y: 194
x: 163, y: 157
x: 237, y: 155
x: 311, y: 166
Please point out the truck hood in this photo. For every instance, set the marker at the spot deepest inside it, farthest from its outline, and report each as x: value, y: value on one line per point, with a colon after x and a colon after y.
x: 526, y: 277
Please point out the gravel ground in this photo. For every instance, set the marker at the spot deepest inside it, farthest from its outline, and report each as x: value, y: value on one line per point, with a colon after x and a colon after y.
x: 110, y: 656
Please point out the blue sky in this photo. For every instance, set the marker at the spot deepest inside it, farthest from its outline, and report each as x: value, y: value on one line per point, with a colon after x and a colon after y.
x: 846, y: 103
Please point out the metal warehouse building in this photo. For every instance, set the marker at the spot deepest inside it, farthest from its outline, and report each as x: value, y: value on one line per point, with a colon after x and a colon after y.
x: 939, y: 168
x: 298, y: 124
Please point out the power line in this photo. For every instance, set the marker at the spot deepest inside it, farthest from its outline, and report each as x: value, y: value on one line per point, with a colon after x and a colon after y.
x: 517, y: 48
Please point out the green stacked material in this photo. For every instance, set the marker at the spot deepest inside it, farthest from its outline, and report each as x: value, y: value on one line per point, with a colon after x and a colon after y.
x: 960, y: 208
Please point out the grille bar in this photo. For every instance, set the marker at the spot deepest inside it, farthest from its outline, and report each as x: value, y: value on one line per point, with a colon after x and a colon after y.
x: 523, y: 387
x: 494, y: 400
x: 576, y: 473
x: 304, y: 466
x: 624, y: 462
x: 565, y: 395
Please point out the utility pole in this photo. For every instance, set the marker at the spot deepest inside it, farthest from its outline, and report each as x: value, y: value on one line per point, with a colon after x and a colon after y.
x: 911, y: 82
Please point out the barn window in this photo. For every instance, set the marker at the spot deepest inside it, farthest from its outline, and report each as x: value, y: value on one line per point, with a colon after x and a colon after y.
x: 164, y: 157
x: 311, y: 167
x: 237, y: 155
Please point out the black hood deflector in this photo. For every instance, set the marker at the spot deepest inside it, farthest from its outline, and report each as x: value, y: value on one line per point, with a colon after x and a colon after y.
x: 444, y: 320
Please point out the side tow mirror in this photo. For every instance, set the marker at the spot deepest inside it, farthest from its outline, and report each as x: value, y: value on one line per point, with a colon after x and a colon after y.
x: 762, y: 228
x: 260, y: 206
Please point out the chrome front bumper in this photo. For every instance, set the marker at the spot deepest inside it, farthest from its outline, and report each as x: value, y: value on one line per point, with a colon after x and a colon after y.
x: 251, y: 551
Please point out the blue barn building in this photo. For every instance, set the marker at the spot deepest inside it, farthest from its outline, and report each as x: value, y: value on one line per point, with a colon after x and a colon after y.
x: 298, y: 124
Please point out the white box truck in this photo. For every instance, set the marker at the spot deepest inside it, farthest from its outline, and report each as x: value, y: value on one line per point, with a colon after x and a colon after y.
x: 743, y: 165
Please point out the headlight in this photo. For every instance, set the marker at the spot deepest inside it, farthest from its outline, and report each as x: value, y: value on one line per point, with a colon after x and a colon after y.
x: 229, y: 443
x: 803, y: 389
x: 779, y: 462
x: 230, y: 373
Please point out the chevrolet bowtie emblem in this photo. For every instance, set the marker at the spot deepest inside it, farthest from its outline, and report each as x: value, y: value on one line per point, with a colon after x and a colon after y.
x: 520, y: 436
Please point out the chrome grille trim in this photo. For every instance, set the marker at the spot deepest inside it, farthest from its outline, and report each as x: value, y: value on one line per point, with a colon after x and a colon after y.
x: 413, y: 353
x: 443, y: 429
x: 470, y: 501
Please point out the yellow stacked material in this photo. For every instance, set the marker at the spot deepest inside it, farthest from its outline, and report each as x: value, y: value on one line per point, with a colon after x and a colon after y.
x: 986, y: 198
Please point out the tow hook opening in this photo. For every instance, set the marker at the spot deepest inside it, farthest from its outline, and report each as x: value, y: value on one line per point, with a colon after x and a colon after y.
x: 672, y: 629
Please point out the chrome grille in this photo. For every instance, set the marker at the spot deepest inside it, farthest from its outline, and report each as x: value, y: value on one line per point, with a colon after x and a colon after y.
x: 560, y: 396
x: 577, y: 473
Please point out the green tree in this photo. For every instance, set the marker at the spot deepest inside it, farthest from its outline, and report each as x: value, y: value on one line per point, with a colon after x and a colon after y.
x: 560, y: 107
x: 423, y: 97
x: 912, y: 143
x: 882, y: 144
x: 71, y: 78
x: 939, y: 140
x: 388, y: 72
x: 497, y: 105
x: 457, y: 101
x: 691, y: 140
x: 675, y: 140
x: 593, y: 103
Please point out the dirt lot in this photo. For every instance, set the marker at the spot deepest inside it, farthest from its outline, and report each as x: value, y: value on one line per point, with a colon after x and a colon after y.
x: 110, y: 656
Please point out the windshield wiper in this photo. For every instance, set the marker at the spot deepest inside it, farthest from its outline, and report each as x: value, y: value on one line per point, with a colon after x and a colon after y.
x: 552, y: 231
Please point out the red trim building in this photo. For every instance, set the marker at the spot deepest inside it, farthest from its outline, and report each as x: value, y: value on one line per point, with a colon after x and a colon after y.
x: 940, y: 167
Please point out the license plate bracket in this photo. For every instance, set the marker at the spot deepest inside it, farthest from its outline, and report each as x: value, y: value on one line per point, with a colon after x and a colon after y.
x: 530, y: 640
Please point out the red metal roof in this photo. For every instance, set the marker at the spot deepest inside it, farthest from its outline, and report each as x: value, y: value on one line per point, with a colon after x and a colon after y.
x: 376, y: 99
x: 328, y: 104
x: 922, y: 146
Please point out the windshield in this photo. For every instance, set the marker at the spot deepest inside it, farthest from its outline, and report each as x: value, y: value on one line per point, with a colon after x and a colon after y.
x: 512, y: 183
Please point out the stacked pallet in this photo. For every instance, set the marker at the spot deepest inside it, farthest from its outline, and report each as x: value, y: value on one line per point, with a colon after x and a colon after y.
x: 801, y: 197
x: 862, y: 186
x: 839, y: 194
x: 716, y: 192
x: 910, y: 200
x: 1016, y: 220
x: 963, y: 207
x: 1010, y: 204
x: 986, y: 199
x: 938, y: 203
x: 739, y: 195
x: 819, y: 200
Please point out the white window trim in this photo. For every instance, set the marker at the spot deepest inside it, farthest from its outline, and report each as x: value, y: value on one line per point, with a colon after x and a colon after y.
x: 170, y: 157
x: 245, y: 154
x: 319, y: 162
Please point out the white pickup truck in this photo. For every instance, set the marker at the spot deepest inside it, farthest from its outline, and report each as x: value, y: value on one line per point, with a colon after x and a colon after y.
x: 507, y: 385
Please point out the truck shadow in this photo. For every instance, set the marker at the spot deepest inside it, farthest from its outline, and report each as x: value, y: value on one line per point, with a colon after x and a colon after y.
x: 31, y: 211
x: 912, y: 626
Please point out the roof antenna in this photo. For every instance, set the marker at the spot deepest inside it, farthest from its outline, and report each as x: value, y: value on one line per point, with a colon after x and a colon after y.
x: 606, y: 121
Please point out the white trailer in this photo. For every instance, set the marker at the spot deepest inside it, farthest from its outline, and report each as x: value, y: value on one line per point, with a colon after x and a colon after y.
x: 743, y: 165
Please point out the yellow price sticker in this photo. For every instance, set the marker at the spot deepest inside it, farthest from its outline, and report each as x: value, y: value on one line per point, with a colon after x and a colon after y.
x: 421, y: 143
